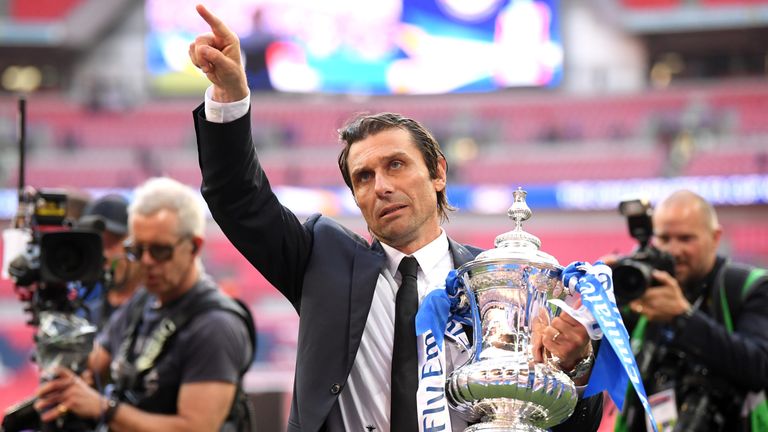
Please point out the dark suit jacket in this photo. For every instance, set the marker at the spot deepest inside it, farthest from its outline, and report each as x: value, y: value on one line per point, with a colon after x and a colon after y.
x: 325, y: 270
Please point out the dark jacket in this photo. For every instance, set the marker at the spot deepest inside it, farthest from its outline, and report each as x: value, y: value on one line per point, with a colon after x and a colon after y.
x: 325, y: 270
x: 700, y: 359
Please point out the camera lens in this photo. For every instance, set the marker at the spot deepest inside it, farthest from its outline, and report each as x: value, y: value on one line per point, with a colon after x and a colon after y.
x: 67, y: 261
x: 70, y: 256
x: 630, y: 280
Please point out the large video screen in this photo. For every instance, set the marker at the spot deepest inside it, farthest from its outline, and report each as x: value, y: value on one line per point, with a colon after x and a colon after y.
x: 367, y: 46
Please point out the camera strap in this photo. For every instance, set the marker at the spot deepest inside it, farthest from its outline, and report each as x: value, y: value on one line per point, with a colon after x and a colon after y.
x: 736, y: 275
x: 755, y: 404
x: 158, y: 340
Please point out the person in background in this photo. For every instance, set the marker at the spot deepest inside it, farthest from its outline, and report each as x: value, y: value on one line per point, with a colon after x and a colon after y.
x: 178, y: 350
x: 702, y: 330
x: 356, y: 366
x: 109, y: 216
x: 255, y: 47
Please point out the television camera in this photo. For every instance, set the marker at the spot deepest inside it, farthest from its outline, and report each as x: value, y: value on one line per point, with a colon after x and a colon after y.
x: 60, y: 255
x: 55, y: 271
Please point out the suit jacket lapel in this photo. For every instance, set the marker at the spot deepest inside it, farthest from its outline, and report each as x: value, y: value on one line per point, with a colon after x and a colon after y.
x: 365, y: 273
x: 460, y: 254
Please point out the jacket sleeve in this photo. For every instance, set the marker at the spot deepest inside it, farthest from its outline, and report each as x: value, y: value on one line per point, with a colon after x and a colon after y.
x: 585, y: 418
x: 741, y: 356
x: 242, y: 202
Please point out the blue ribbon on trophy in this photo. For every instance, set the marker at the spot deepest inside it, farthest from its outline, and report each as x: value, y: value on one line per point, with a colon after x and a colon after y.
x: 441, y: 312
x: 615, y: 363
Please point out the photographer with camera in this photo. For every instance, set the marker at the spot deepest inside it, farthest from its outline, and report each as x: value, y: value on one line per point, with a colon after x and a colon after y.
x: 177, y: 351
x: 109, y: 216
x: 698, y: 328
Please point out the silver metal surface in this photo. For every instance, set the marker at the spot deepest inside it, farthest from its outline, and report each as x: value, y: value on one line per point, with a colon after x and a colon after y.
x: 63, y: 339
x: 508, y: 288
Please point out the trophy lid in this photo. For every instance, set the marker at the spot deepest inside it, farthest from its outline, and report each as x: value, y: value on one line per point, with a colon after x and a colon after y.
x: 518, y: 245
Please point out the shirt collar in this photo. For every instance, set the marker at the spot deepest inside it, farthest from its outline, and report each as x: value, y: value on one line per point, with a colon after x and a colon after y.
x: 427, y: 257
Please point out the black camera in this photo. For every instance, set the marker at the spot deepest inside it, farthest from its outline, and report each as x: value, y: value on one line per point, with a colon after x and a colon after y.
x: 632, y: 274
x: 705, y: 401
x: 58, y: 254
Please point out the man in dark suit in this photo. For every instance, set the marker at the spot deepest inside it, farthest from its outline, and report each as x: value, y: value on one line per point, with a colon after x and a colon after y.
x: 343, y: 288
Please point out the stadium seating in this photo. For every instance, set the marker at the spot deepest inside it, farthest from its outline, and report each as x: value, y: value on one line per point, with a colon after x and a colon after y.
x: 520, y: 136
x: 40, y: 10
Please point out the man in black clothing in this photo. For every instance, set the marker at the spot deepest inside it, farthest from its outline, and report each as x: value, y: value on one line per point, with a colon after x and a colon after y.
x: 344, y: 288
x: 705, y: 341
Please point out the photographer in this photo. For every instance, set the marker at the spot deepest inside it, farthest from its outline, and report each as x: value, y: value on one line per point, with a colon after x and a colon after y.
x: 702, y: 332
x: 177, y: 351
x: 109, y: 215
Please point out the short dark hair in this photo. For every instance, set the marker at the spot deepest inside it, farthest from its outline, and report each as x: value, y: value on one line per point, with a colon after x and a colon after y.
x: 364, y: 125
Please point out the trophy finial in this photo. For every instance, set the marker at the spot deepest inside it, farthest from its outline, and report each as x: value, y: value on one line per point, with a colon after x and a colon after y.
x: 519, y: 212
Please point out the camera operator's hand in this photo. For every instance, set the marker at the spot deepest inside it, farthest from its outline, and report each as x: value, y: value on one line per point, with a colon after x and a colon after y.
x: 610, y: 259
x: 68, y: 393
x: 217, y: 54
x: 664, y: 301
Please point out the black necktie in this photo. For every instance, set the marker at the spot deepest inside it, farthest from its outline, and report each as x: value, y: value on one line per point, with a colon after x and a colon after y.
x: 404, y: 357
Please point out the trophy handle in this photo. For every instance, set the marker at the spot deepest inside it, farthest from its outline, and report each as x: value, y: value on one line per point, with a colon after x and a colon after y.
x: 468, y: 299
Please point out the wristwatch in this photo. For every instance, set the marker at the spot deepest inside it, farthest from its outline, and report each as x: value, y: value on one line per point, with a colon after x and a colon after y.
x: 109, y: 414
x: 681, y: 321
x: 582, y: 368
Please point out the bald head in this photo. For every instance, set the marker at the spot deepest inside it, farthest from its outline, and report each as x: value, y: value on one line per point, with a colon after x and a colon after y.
x: 686, y: 226
x: 694, y: 203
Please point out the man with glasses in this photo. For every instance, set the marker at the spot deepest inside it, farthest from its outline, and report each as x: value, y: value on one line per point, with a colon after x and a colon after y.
x: 178, y: 350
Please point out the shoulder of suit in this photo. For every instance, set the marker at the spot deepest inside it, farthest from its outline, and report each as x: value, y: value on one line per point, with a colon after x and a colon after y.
x: 324, y: 226
x: 464, y: 249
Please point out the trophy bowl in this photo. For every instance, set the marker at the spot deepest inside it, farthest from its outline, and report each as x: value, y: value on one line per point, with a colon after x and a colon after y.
x: 508, y: 289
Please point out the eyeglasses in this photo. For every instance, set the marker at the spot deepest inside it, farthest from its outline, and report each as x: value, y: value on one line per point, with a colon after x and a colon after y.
x: 159, y: 252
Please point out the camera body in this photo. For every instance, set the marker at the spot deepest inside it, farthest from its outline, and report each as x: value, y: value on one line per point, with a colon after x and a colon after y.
x: 705, y: 401
x: 632, y: 274
x: 57, y: 255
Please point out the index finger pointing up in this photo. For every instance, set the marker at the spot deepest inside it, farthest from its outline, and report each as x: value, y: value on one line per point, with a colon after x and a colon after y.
x: 217, y: 26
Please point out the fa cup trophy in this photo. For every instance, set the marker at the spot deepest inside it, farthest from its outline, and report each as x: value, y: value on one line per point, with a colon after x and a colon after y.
x: 508, y: 289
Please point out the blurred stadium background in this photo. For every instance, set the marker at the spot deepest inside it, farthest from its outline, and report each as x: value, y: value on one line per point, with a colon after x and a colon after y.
x: 580, y: 102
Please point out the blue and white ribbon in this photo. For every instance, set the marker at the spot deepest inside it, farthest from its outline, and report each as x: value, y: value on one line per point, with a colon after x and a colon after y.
x: 440, y: 316
x: 441, y: 311
x: 615, y: 364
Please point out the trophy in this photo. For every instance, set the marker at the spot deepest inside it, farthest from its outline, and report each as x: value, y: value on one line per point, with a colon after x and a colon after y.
x: 508, y: 288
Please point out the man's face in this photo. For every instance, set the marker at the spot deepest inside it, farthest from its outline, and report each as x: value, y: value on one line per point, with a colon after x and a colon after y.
x: 113, y: 245
x: 392, y: 187
x: 169, y: 278
x: 114, y: 255
x: 684, y: 232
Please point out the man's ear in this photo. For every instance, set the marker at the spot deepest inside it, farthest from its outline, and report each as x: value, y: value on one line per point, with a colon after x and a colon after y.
x: 197, y: 243
x: 442, y: 175
x: 716, y: 234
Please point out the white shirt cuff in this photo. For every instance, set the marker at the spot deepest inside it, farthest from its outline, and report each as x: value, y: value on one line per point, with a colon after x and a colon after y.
x: 225, y: 112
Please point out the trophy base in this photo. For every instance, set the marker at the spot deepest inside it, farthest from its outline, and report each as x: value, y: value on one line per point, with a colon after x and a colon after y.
x: 503, y: 426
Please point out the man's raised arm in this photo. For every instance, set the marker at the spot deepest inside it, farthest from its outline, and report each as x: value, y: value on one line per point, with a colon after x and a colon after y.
x: 217, y: 54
